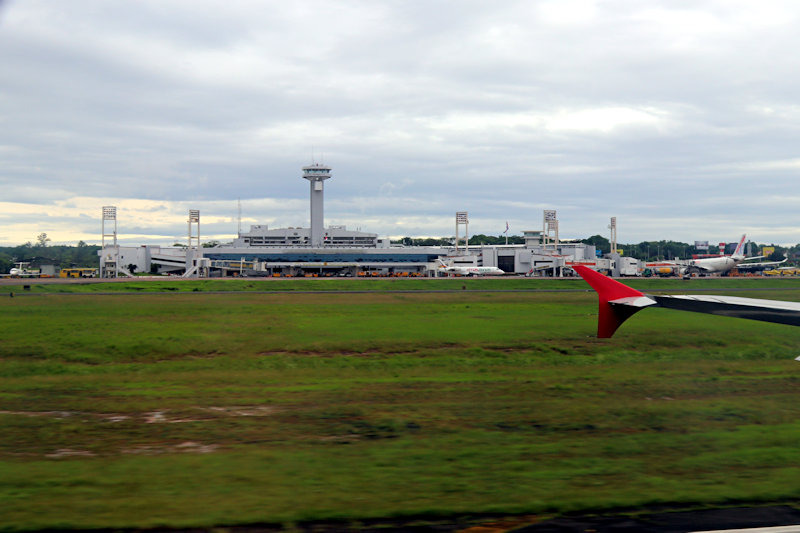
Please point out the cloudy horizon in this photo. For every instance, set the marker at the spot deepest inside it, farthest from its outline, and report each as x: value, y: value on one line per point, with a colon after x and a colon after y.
x: 678, y: 118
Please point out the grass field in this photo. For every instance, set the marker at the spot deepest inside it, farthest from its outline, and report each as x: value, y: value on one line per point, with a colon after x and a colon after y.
x: 184, y: 409
x: 173, y: 284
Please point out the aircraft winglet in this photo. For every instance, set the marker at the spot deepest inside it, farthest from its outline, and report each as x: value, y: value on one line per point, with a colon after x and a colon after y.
x: 617, y: 302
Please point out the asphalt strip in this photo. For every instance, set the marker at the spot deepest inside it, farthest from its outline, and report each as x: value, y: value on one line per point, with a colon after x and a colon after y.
x: 773, y: 519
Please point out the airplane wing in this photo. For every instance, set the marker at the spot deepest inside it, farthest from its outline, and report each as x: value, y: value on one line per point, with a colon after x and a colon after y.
x: 618, y: 302
x: 698, y: 268
x: 745, y: 266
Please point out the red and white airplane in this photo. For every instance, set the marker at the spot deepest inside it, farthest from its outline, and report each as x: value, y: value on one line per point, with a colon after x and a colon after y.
x: 725, y: 263
x: 618, y: 302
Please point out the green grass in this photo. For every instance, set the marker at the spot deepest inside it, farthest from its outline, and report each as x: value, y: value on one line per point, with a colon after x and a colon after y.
x: 218, y: 409
x: 382, y: 284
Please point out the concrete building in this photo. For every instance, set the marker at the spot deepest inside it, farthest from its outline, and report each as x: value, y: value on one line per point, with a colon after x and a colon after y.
x: 332, y: 236
x: 336, y: 251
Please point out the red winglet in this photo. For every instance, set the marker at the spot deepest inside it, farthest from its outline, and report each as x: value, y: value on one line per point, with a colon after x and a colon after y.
x: 610, y: 317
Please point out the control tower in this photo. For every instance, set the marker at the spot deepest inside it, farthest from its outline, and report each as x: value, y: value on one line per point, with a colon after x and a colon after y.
x: 316, y: 175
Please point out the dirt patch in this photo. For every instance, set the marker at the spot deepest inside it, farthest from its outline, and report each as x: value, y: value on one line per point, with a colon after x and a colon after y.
x: 158, y: 417
x: 115, y: 418
x: 155, y: 417
x: 184, y: 447
x: 244, y: 410
x: 50, y: 414
x: 67, y: 452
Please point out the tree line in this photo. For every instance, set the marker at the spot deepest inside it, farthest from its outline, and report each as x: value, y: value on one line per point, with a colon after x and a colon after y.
x: 81, y: 256
x: 645, y: 250
x: 667, y: 250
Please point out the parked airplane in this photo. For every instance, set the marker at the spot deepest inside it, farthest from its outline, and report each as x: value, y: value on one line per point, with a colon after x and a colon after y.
x: 471, y: 271
x: 726, y: 263
x: 618, y: 302
x: 21, y: 271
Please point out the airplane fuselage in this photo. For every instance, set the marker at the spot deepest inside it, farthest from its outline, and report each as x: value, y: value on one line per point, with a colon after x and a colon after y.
x: 17, y: 272
x: 715, y: 265
x: 475, y: 271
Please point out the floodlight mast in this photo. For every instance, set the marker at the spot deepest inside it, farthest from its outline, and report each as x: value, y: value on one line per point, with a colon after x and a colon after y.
x: 195, y: 249
x: 109, y: 262
x: 462, y: 219
x: 194, y: 218
x: 613, y: 227
x: 550, y: 229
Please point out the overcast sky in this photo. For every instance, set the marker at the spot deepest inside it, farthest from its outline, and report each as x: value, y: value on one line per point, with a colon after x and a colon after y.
x: 680, y: 118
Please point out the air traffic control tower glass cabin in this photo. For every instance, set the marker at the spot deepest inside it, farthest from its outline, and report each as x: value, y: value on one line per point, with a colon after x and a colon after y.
x: 316, y: 174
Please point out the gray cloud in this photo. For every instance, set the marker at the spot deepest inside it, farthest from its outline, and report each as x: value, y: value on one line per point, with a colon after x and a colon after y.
x: 679, y: 118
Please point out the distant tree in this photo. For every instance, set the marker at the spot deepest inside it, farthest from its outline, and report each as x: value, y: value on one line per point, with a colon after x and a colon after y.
x: 432, y: 241
x: 132, y: 268
x: 59, y: 255
x: 599, y: 242
x: 42, y: 239
x: 793, y: 252
x: 210, y: 244
x: 81, y: 244
x: 6, y: 262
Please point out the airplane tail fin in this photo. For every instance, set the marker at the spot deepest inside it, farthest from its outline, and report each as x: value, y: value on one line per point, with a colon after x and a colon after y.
x: 739, y: 252
x: 617, y: 302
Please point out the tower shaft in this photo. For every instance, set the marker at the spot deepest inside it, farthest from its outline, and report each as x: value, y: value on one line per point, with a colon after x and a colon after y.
x: 316, y: 175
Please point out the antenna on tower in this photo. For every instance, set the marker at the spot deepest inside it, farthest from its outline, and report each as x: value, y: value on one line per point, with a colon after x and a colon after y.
x: 240, y: 219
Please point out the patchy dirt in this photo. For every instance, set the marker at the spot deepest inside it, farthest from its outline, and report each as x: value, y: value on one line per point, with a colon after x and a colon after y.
x: 244, y: 410
x: 148, y: 417
x: 67, y: 452
x: 158, y: 417
x: 49, y: 414
x: 114, y: 418
x: 154, y: 417
x: 349, y: 353
x: 184, y: 447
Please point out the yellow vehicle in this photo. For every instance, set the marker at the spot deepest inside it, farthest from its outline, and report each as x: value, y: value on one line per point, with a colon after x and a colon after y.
x: 78, y: 273
x: 785, y: 271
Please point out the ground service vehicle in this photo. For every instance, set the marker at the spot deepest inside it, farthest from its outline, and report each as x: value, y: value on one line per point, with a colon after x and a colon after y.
x: 78, y: 273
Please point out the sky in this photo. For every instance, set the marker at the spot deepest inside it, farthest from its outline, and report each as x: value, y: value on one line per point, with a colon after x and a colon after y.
x: 679, y: 118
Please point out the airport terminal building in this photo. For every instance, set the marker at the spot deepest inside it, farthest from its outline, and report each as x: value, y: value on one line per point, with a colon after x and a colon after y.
x: 336, y: 251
